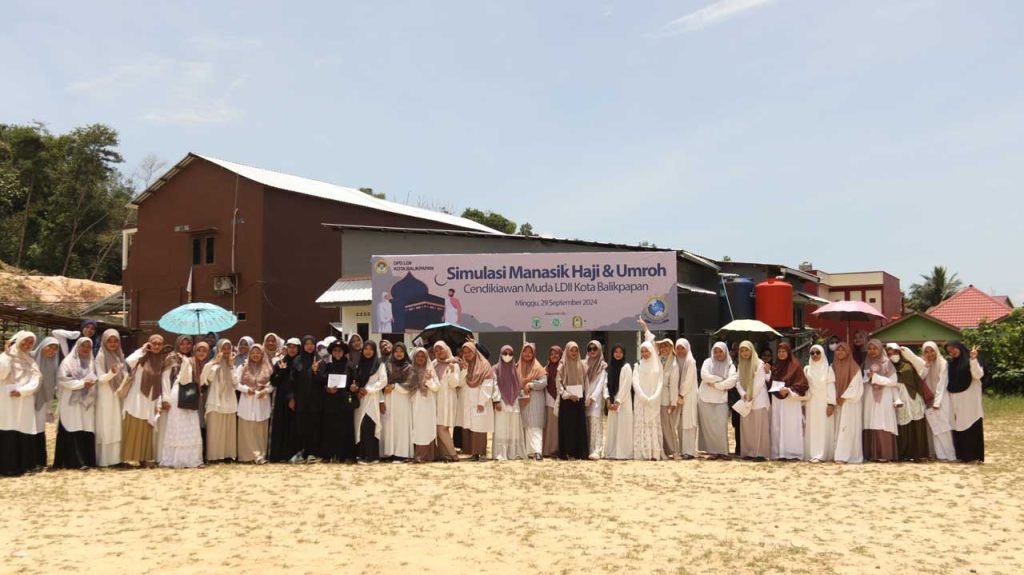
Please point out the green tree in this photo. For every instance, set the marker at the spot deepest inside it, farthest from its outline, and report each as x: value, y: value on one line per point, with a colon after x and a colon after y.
x: 64, y: 199
x: 490, y: 219
x: 1000, y: 346
x: 936, y: 288
x: 378, y: 195
x: 525, y: 229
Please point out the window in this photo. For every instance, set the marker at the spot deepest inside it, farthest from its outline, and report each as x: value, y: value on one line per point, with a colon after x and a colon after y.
x: 871, y: 300
x: 203, y: 250
x: 241, y: 316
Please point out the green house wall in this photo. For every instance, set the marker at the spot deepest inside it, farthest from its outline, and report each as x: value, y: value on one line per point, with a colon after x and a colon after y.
x: 916, y: 330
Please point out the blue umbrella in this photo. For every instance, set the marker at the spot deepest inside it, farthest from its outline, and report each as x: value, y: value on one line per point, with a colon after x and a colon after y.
x: 197, y: 318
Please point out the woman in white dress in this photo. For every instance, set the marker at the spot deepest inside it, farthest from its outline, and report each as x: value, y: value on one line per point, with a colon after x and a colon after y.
x: 76, y: 409
x: 423, y: 387
x: 818, y: 440
x: 717, y: 376
x: 787, y: 430
x: 509, y: 439
x: 933, y: 369
x: 647, y: 385
x: 535, y: 383
x: 880, y: 425
x: 844, y: 406
x: 111, y: 370
x: 597, y: 378
x: 687, y: 406
x: 47, y: 357
x: 396, y: 437
x: 252, y: 380
x: 618, y: 395
x: 182, y: 442
x: 755, y: 425
x: 221, y: 405
x: 447, y: 374
x: 19, y: 380
x: 477, y: 407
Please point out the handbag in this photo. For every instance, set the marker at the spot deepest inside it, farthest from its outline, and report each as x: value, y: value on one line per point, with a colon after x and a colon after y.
x: 188, y: 396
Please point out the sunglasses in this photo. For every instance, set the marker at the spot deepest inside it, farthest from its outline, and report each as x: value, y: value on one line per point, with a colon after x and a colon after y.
x: 506, y: 354
x: 592, y: 348
x: 815, y: 352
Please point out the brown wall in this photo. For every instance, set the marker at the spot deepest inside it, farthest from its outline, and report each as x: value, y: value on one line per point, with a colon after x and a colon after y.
x: 202, y: 195
x: 284, y: 257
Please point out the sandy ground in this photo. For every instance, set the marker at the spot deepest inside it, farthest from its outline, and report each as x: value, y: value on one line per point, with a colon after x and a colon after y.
x: 550, y: 517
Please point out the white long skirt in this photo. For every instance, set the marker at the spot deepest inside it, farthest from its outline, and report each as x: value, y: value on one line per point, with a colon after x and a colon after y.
x: 595, y: 435
x: 619, y: 441
x: 647, y: 437
x: 787, y: 430
x: 396, y: 424
x: 848, y: 430
x: 509, y: 438
x: 181, y: 444
x: 818, y: 439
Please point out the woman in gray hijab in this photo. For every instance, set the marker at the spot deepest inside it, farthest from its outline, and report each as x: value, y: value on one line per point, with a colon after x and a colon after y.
x: 48, y: 360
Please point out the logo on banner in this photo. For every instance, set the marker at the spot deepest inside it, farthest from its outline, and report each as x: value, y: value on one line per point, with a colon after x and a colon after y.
x: 656, y: 310
x: 535, y: 323
x: 381, y: 267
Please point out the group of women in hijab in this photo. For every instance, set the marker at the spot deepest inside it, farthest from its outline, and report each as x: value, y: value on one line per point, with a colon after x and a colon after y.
x: 893, y: 406
x: 302, y: 400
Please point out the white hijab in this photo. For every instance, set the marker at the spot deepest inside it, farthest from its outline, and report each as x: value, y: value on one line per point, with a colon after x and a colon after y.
x: 649, y: 370
x: 77, y: 368
x: 817, y: 369
x: 720, y: 368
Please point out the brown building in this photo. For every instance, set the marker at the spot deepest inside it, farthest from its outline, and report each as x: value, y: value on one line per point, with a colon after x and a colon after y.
x: 253, y: 242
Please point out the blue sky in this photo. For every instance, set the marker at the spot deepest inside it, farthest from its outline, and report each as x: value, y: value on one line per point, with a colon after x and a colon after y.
x: 856, y: 134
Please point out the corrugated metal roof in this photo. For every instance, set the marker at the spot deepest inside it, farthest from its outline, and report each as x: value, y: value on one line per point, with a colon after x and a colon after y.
x: 347, y: 290
x: 695, y: 290
x: 689, y: 256
x: 322, y: 190
x: 804, y: 297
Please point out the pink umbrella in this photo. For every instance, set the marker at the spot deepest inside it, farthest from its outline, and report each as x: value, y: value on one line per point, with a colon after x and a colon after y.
x: 848, y: 311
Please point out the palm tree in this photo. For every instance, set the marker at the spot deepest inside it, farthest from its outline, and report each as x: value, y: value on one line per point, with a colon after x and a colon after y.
x: 936, y: 288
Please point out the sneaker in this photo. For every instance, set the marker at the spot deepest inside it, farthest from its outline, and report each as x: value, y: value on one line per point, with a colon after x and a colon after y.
x: 297, y: 458
x: 312, y: 459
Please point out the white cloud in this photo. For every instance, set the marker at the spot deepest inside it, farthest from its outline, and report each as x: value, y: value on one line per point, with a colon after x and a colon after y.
x: 710, y: 15
x: 168, y: 90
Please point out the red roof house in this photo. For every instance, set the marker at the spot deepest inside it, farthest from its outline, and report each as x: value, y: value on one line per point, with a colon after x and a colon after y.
x: 969, y: 307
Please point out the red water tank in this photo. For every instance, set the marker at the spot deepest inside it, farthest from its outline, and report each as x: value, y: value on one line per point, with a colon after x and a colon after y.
x: 773, y: 301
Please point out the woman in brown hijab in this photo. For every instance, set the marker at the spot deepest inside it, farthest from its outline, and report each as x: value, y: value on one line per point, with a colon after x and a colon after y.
x: 141, y: 399
x: 478, y: 390
x: 551, y: 402
x: 787, y: 404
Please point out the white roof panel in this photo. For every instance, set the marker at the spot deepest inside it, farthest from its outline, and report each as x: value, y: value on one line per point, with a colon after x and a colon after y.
x: 347, y: 290
x: 334, y: 192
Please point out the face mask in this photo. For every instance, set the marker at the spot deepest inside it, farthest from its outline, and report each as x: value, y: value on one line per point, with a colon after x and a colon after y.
x: 832, y: 346
x: 506, y: 358
x: 894, y: 358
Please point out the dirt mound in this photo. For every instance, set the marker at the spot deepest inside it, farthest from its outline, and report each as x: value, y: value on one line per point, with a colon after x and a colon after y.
x: 51, y: 293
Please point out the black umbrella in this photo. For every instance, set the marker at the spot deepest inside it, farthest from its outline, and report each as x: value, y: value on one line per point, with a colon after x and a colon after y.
x: 452, y: 334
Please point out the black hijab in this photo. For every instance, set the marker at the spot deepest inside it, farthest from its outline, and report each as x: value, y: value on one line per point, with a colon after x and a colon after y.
x: 367, y: 367
x: 614, y: 370
x: 959, y: 369
x: 304, y: 361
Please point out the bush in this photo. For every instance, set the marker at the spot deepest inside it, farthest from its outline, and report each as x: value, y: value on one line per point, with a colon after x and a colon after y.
x: 1002, y: 352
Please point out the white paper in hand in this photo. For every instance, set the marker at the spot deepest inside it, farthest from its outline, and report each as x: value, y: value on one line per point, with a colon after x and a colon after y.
x: 576, y: 390
x: 336, y: 380
x: 777, y: 386
x: 742, y: 407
